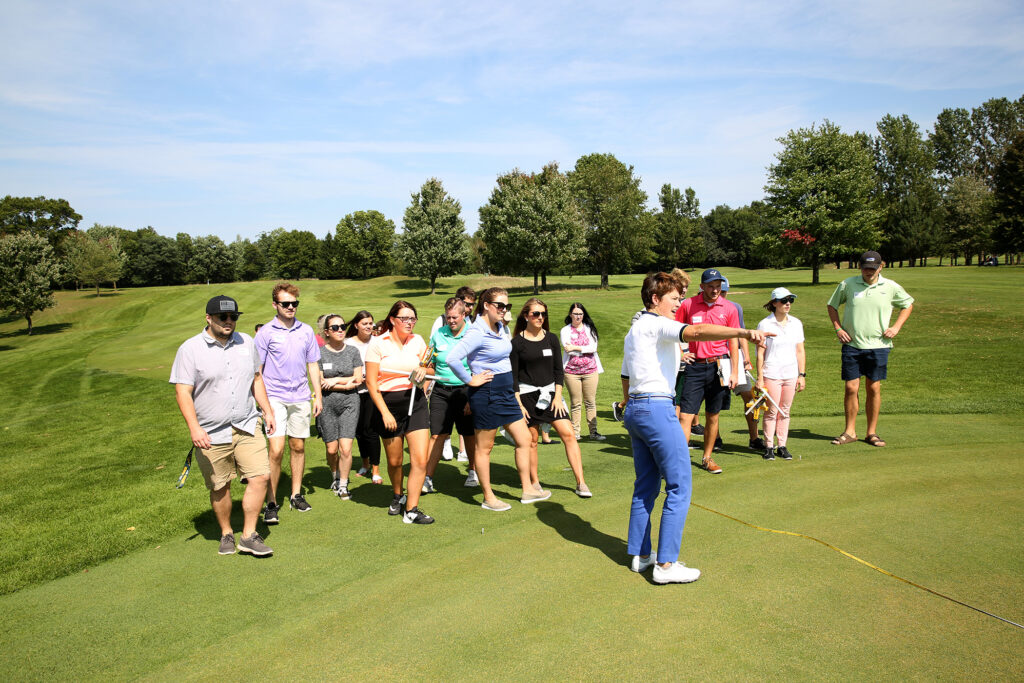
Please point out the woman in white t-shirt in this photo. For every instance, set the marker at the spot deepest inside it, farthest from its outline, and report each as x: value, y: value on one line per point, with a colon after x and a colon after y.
x: 781, y: 369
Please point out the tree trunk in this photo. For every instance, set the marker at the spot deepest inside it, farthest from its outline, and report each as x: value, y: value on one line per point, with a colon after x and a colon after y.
x: 536, y: 279
x: 968, y: 258
x: 433, y: 283
x: 97, y: 289
x: 544, y: 280
x: 940, y: 260
x: 604, y: 278
x: 814, y: 269
x: 115, y: 285
x: 28, y: 317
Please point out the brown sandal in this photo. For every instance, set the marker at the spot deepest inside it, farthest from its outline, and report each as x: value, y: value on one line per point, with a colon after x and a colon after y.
x: 874, y: 440
x: 843, y: 439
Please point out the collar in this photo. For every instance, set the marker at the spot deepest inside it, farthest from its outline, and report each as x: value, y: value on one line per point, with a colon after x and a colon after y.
x: 276, y: 324
x: 235, y: 338
x: 879, y: 281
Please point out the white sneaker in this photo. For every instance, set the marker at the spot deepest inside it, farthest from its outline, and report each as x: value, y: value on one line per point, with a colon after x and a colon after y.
x: 639, y: 564
x: 472, y: 480
x: 428, y: 485
x: 463, y: 457
x: 677, y: 573
x: 446, y: 452
x: 505, y: 435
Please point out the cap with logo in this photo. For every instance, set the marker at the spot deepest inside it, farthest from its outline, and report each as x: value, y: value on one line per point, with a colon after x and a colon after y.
x: 222, y: 304
x: 870, y: 259
x: 710, y: 275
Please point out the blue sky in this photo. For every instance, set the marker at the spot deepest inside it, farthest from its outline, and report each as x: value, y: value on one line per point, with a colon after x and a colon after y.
x: 231, y: 118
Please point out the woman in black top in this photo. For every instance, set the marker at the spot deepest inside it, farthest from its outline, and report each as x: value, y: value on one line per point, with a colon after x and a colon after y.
x: 537, y: 379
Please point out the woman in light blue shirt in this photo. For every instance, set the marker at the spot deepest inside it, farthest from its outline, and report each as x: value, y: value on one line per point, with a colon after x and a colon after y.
x: 486, y: 346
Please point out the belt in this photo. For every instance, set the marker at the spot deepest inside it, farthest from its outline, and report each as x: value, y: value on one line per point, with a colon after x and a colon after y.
x: 708, y: 361
x: 649, y: 396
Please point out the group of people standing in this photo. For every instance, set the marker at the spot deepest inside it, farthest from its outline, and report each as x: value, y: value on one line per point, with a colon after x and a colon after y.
x: 383, y: 384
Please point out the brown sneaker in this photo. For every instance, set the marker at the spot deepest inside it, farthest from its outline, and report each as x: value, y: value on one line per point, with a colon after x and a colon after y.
x: 711, y: 466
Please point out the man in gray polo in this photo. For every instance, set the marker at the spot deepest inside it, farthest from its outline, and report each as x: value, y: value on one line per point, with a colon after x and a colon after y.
x: 217, y: 383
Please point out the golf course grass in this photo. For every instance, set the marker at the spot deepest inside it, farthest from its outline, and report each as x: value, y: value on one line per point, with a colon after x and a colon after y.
x: 109, y: 572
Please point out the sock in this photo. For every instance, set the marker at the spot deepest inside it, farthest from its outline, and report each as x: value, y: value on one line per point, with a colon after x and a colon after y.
x: 343, y: 482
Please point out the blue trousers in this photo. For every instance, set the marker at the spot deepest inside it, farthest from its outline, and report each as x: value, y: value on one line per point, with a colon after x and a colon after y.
x: 659, y: 452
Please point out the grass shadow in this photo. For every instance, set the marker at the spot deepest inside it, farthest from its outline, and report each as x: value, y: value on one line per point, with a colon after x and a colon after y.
x: 52, y: 328
x: 206, y: 525
x: 575, y: 529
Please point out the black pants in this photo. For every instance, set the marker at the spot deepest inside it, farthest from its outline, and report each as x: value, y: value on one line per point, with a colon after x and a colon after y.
x: 366, y: 436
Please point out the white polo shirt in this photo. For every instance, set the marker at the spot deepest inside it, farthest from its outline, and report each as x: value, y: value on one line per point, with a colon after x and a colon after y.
x: 650, y: 356
x: 780, y: 350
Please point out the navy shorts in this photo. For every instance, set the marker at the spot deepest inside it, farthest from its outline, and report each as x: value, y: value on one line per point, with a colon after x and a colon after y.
x: 702, y: 384
x: 448, y: 409
x: 870, y: 363
x: 494, y: 404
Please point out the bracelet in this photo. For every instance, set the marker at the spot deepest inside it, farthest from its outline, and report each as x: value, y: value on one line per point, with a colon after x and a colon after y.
x: 802, y: 374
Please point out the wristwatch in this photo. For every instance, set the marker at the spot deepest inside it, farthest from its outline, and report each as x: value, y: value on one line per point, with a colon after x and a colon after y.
x: 803, y: 374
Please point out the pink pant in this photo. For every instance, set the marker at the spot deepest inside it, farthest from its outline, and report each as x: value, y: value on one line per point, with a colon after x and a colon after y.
x: 782, y: 392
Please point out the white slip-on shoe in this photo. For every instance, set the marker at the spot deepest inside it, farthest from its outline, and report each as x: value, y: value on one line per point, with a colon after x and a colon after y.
x: 640, y: 564
x: 676, y: 573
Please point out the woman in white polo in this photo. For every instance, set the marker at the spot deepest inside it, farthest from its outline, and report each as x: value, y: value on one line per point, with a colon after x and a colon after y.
x: 781, y: 369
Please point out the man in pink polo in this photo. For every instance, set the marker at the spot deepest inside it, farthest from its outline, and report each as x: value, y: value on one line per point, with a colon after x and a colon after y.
x: 703, y: 376
x: 288, y: 352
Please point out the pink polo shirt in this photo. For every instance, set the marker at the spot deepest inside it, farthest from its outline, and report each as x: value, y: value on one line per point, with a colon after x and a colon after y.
x: 695, y: 311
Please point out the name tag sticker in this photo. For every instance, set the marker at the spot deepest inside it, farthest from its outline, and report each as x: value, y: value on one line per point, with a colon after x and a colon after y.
x: 328, y: 366
x: 546, y: 352
x: 697, y: 319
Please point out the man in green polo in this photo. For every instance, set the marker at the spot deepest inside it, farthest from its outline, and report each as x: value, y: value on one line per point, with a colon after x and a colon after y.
x: 867, y: 337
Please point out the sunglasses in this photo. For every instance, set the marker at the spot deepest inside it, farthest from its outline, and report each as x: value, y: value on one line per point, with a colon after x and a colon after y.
x: 538, y: 314
x: 224, y: 317
x: 336, y: 328
x: 787, y: 300
x: 406, y: 319
x: 501, y: 307
x: 288, y: 304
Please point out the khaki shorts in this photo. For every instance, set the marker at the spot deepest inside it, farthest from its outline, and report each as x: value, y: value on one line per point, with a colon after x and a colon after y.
x: 247, y: 453
x: 292, y: 419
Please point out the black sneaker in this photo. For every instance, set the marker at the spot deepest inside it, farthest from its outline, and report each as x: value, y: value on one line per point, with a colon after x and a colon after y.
x: 757, y: 444
x: 397, y: 505
x: 769, y: 454
x: 698, y: 429
x: 616, y: 411
x: 783, y: 453
x: 270, y: 513
x: 299, y: 503
x: 417, y: 516
x: 718, y: 444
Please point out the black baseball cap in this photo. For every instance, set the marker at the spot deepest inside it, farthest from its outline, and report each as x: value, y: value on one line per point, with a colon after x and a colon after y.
x: 222, y: 304
x: 870, y: 259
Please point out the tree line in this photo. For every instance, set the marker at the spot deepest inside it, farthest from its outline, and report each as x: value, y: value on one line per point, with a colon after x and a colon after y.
x: 955, y: 192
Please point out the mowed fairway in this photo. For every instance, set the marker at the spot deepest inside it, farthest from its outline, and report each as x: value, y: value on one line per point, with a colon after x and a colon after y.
x: 108, y: 572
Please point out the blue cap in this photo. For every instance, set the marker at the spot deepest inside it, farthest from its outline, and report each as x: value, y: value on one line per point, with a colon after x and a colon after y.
x: 725, y: 284
x: 710, y: 275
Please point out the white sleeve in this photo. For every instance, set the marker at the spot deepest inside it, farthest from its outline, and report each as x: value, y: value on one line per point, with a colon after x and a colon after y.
x: 671, y: 329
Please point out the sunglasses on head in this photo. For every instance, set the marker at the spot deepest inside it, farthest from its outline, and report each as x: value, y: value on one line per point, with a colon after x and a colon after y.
x: 787, y: 300
x: 224, y: 317
x: 500, y: 306
x: 288, y: 304
x: 538, y: 314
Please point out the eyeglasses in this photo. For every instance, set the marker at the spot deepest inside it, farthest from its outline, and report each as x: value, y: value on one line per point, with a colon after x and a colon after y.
x: 538, y: 314
x: 787, y: 300
x: 336, y: 328
x: 288, y: 304
x: 501, y: 307
x: 577, y: 315
x: 406, y: 319
x: 224, y: 317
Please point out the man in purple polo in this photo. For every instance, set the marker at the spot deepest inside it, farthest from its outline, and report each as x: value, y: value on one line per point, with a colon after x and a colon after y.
x: 288, y: 352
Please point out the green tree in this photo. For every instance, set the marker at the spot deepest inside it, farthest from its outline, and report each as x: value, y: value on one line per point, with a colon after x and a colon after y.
x: 27, y: 267
x: 1008, y: 200
x: 994, y: 124
x: 295, y: 254
x: 968, y: 217
x: 433, y: 243
x: 820, y: 191
x: 951, y: 145
x: 51, y: 218
x: 620, y: 232
x: 93, y: 260
x: 211, y: 261
x: 680, y: 240
x: 531, y: 224
x: 365, y: 243
x: 907, y: 190
x: 265, y: 242
x: 152, y: 260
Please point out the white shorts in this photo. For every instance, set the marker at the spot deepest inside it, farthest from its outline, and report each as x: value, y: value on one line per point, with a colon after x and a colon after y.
x: 291, y: 419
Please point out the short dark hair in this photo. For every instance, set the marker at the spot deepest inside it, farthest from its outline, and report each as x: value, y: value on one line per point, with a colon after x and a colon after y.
x: 659, y: 284
x: 465, y: 291
x: 452, y: 302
